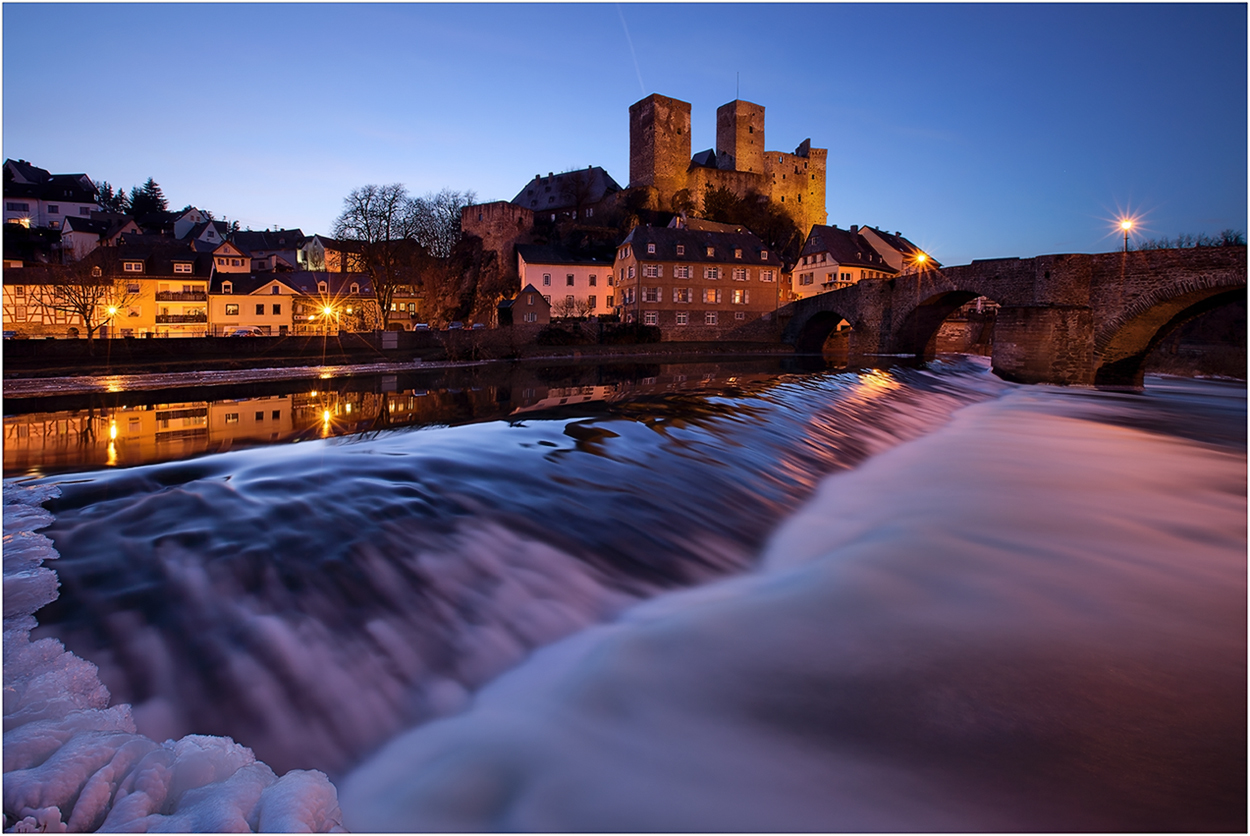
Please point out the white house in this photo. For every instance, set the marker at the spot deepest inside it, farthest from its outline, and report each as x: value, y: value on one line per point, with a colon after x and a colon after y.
x: 35, y: 197
x: 573, y: 286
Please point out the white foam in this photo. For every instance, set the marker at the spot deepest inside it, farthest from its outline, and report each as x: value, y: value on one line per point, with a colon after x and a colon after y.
x: 72, y: 762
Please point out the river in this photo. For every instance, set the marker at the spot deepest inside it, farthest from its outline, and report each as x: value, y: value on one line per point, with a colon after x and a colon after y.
x: 729, y: 595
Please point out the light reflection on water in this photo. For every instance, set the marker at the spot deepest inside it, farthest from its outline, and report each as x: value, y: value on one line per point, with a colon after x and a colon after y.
x: 252, y: 593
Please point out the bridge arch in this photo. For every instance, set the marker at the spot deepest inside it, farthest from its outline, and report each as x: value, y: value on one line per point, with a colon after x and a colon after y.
x: 811, y: 338
x: 917, y: 332
x: 1122, y: 345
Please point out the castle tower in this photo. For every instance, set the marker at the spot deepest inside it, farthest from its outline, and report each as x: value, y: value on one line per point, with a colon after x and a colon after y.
x: 740, y: 136
x: 659, y: 144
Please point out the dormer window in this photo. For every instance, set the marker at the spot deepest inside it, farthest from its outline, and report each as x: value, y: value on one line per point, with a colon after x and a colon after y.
x: 322, y: 287
x: 681, y: 249
x: 651, y: 249
x: 227, y: 287
x: 132, y: 266
x: 710, y: 250
x: 182, y: 267
x: 355, y: 288
x: 764, y: 254
x: 96, y: 272
x: 212, y: 234
x: 737, y: 253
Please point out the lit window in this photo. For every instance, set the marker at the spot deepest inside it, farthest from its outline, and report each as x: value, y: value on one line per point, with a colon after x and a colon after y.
x: 232, y: 310
x: 651, y: 248
x: 232, y: 417
x: 710, y: 250
x: 711, y: 294
x: 764, y: 254
x: 737, y: 253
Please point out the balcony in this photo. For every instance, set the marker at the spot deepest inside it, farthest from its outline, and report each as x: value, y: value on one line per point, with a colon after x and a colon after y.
x: 168, y: 319
x: 181, y: 296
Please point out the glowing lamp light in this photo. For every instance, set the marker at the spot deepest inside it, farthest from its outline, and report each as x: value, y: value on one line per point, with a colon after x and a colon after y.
x: 112, y: 311
x: 113, y: 430
x: 327, y: 310
x: 311, y: 317
x: 1126, y: 225
x: 325, y: 417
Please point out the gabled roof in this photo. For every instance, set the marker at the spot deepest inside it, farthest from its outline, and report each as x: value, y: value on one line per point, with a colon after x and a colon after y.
x: 21, y: 179
x: 335, y: 244
x: 158, y: 257
x: 23, y: 172
x: 902, y: 245
x: 695, y: 243
x: 74, y: 223
x: 844, y: 247
x: 590, y: 184
x: 219, y: 227
x: 543, y: 254
x: 529, y: 288
x: 277, y: 239
x: 338, y: 284
x: 244, y: 284
x: 704, y: 159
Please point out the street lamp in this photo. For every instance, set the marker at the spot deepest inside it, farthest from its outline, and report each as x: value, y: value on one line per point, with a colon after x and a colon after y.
x: 1127, y: 226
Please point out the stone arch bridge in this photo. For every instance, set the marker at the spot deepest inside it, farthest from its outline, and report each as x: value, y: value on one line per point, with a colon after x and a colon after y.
x: 1064, y: 319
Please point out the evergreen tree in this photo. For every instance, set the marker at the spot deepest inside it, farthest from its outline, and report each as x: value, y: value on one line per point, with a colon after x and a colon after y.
x: 110, y: 200
x: 147, y: 200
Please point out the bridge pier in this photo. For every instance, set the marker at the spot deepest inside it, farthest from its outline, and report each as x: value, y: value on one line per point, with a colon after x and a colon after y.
x: 1045, y: 345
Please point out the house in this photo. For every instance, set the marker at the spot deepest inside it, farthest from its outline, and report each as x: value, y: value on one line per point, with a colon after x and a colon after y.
x: 695, y: 281
x: 206, y: 236
x: 328, y: 303
x: 187, y: 220
x: 158, y: 290
x: 529, y: 307
x: 898, y: 252
x: 276, y: 249
x: 79, y: 236
x: 35, y: 197
x: 324, y: 254
x: 834, y: 258
x: 572, y: 285
x: 228, y: 258
x: 237, y: 300
x: 570, y: 194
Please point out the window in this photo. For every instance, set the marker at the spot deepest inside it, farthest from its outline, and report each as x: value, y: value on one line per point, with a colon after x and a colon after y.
x: 681, y: 294
x: 132, y: 288
x: 529, y: 298
x: 322, y: 287
x: 711, y: 272
x: 546, y: 279
x: 17, y: 207
x: 610, y: 299
x: 846, y: 277
x: 221, y: 261
x: 275, y: 290
x: 593, y: 279
x: 681, y: 249
x: 652, y: 271
x: 85, y: 211
x: 547, y: 298
x: 530, y: 316
x: 683, y: 317
x: 260, y: 416
x: 737, y: 253
x: 709, y: 318
x: 740, y: 315
x: 277, y: 413
x: 212, y: 234
x: 764, y: 255
x: 710, y: 250
x: 631, y: 271
x: 767, y: 276
x: 132, y: 266
x: 568, y: 280
x: 651, y: 318
x: 741, y: 297
x: 277, y: 310
x: 355, y: 289
x: 232, y: 417
x: 681, y: 271
x: 234, y: 262
x: 95, y: 271
x: 651, y: 294
x: 711, y: 294
x: 260, y: 309
x: 227, y: 287
x: 182, y: 267
x: 740, y: 274
x: 590, y: 300
x: 20, y: 290
x: 651, y: 249
x: 54, y: 209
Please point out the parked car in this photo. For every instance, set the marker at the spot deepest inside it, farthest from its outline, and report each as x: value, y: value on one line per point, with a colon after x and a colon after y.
x: 10, y: 335
x: 421, y: 326
x: 246, y: 331
x: 478, y: 326
x: 455, y: 326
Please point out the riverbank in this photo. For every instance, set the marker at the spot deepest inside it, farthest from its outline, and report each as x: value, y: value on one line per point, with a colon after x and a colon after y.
x: 143, y: 378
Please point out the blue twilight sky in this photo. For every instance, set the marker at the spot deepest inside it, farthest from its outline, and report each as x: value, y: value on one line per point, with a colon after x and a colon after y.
x: 978, y: 130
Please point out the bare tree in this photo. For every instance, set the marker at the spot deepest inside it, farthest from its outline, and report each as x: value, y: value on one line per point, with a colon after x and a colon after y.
x: 436, y: 220
x: 382, y: 219
x: 84, y: 290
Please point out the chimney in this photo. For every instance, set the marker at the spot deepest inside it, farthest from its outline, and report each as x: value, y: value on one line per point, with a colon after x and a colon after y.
x: 854, y: 229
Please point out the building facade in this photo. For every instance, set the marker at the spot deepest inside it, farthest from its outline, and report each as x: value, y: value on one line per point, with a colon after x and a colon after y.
x: 574, y: 287
x: 695, y: 283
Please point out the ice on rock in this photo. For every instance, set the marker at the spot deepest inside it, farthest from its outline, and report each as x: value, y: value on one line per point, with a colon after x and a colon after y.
x: 74, y: 763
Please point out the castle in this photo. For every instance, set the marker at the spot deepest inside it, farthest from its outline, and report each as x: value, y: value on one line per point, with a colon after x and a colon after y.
x: 660, y: 159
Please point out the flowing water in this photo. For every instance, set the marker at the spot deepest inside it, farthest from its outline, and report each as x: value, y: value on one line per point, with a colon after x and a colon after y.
x: 327, y: 569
